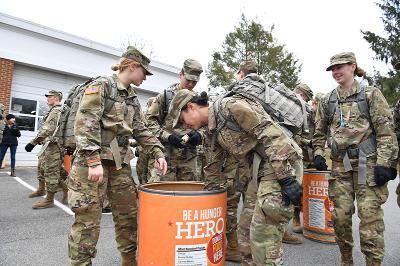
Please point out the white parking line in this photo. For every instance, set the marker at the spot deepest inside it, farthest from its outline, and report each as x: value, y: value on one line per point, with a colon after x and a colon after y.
x: 56, y: 202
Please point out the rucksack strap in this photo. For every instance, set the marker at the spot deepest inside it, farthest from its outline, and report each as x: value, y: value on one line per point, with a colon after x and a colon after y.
x: 112, y: 94
x: 366, y: 147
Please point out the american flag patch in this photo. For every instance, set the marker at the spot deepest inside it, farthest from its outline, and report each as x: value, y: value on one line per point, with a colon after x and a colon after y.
x: 91, y: 90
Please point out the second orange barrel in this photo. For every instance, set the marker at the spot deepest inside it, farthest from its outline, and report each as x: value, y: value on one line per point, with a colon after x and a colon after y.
x: 317, y: 207
x: 181, y: 224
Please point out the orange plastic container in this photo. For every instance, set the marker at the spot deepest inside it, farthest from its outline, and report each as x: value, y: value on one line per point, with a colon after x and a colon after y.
x: 317, y: 207
x: 181, y: 224
x: 67, y: 162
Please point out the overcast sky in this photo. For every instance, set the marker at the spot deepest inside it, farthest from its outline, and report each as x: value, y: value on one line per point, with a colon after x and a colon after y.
x: 313, y: 30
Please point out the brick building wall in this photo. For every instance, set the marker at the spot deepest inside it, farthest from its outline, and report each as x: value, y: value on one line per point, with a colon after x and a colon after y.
x: 6, y: 74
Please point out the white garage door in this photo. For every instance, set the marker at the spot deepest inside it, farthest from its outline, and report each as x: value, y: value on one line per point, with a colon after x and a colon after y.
x: 28, y: 103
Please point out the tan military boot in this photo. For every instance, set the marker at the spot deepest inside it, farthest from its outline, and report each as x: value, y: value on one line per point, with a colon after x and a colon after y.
x: 12, y: 172
x: 347, y: 258
x: 65, y: 193
x: 290, y: 238
x: 128, y: 259
x: 232, y: 249
x: 297, y: 228
x: 371, y: 262
x: 39, y: 192
x: 47, y: 202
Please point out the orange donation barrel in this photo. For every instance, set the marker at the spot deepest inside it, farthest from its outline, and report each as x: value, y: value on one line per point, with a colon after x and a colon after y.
x: 317, y: 207
x: 181, y: 224
x: 67, y: 162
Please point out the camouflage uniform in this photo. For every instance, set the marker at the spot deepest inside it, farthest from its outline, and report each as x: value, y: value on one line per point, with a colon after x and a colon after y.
x: 271, y: 215
x: 182, y: 163
x: 344, y: 185
x: 102, y: 140
x: 142, y: 163
x: 50, y: 161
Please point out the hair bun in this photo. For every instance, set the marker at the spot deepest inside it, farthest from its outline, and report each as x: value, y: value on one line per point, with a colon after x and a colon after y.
x: 204, y: 95
x: 360, y: 72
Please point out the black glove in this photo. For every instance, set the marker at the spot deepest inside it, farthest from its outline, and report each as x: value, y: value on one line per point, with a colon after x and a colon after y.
x: 383, y: 174
x: 320, y: 163
x: 176, y: 141
x: 29, y: 147
x: 69, y: 152
x: 291, y: 190
x: 194, y: 138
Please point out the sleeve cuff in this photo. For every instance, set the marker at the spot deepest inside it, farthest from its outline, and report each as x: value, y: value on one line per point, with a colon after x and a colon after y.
x: 94, y: 159
x: 319, y: 152
x: 158, y: 154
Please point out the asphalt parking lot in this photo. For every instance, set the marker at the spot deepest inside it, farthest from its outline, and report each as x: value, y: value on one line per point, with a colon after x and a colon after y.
x: 39, y: 237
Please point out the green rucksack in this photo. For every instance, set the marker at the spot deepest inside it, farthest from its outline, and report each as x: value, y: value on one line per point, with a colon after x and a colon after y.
x: 65, y: 125
x: 281, y: 103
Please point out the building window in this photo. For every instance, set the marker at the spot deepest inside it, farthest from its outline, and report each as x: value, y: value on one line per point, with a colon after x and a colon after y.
x: 28, y: 113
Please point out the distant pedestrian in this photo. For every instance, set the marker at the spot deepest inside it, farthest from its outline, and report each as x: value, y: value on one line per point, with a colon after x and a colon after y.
x: 11, y: 134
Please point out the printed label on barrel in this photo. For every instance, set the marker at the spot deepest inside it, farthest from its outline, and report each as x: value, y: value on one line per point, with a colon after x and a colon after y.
x: 200, y: 224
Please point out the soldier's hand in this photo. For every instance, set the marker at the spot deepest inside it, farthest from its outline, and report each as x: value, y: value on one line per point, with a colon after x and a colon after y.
x: 383, y: 175
x: 176, y: 141
x: 291, y: 190
x: 29, y: 147
x: 320, y: 163
x: 194, y: 138
x: 96, y: 173
x: 161, y: 164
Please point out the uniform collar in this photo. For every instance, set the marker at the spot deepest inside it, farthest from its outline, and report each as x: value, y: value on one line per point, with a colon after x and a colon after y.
x: 130, y: 90
x: 355, y: 89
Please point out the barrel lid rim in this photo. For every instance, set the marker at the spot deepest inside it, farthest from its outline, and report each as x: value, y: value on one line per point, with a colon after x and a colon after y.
x: 316, y: 171
x: 180, y: 193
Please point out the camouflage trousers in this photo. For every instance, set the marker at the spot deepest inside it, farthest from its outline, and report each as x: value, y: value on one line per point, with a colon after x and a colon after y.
x: 270, y: 219
x: 51, y: 168
x: 181, y: 167
x: 85, y: 199
x: 142, y: 166
x: 343, y: 189
x: 250, y: 198
x: 233, y: 170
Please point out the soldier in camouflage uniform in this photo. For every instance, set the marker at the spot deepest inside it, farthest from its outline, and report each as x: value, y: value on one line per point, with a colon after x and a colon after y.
x: 303, y: 139
x: 51, y: 172
x: 182, y: 159
x: 142, y: 164
x: 364, y: 151
x: 101, y: 165
x: 396, y: 118
x: 278, y: 187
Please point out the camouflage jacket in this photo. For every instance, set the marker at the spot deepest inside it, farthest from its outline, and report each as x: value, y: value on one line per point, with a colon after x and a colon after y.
x: 161, y: 128
x: 304, y: 139
x: 355, y: 126
x: 96, y: 130
x: 258, y: 130
x: 396, y: 120
x: 48, y: 127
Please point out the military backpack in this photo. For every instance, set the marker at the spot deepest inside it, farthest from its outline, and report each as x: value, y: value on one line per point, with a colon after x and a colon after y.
x: 65, y: 125
x: 281, y: 103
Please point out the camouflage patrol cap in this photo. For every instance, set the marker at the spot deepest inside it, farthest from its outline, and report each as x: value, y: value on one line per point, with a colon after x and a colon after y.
x: 54, y: 93
x: 249, y: 66
x: 181, y: 98
x: 136, y: 55
x: 306, y: 90
x: 342, y: 58
x: 192, y: 69
x: 397, y: 66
